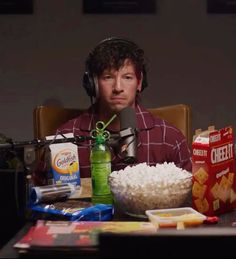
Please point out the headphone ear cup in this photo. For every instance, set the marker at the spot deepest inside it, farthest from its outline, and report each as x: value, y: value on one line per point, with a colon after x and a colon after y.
x: 89, y: 85
x: 144, y: 82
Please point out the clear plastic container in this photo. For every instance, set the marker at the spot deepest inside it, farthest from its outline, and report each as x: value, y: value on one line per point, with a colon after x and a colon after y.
x: 185, y: 216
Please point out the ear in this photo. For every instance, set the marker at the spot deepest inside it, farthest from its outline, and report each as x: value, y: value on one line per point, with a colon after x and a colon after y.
x: 140, y: 82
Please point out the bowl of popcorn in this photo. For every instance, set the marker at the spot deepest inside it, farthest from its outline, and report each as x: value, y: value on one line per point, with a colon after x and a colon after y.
x: 141, y: 187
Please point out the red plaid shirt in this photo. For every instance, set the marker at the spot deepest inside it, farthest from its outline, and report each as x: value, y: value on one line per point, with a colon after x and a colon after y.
x: 158, y: 141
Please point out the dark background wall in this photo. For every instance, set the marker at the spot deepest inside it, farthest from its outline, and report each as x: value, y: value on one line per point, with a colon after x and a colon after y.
x: 192, y: 59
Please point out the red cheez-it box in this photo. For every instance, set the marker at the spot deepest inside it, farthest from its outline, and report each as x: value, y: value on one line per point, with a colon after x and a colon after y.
x: 214, y: 183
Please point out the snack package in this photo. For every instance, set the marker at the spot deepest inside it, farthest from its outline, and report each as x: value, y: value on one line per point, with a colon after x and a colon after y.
x: 65, y: 163
x: 69, y: 211
x: 214, y: 183
x: 49, y: 193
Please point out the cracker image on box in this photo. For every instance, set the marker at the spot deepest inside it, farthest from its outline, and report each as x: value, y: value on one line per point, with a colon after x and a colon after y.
x: 216, y: 204
x: 224, y: 189
x: 202, y: 205
x: 198, y: 190
x: 231, y: 178
x: 232, y: 196
x: 215, y: 190
x: 201, y: 175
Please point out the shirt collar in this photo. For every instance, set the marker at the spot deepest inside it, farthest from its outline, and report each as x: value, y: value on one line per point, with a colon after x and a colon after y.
x: 145, y: 120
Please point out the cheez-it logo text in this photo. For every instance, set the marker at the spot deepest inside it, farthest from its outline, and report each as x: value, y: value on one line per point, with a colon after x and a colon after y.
x: 221, y: 154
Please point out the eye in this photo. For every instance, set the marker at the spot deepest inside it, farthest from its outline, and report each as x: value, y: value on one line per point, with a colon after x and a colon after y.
x: 107, y: 77
x: 128, y: 77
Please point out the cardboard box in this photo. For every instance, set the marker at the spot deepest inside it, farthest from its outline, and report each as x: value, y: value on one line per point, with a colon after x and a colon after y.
x: 65, y: 163
x: 214, y: 183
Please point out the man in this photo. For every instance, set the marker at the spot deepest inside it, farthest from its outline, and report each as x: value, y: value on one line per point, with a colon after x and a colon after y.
x: 115, y: 75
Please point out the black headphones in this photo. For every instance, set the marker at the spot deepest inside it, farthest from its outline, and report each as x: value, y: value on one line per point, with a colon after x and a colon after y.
x: 88, y: 79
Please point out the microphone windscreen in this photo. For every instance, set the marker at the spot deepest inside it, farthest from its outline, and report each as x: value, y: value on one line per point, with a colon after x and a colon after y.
x: 128, y: 118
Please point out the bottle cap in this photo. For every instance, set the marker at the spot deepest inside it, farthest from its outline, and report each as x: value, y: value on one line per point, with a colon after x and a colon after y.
x: 100, y: 139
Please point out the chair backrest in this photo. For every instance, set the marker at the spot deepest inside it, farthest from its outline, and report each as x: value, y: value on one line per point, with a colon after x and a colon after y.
x: 47, y: 119
x: 179, y: 115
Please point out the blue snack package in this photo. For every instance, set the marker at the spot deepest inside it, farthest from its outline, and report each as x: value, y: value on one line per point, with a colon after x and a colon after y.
x: 99, y: 212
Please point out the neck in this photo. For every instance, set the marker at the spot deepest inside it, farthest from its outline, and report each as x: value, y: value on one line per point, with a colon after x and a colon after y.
x: 105, y: 116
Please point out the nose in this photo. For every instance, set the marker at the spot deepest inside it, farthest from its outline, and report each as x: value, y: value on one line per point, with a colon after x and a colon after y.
x: 117, y: 87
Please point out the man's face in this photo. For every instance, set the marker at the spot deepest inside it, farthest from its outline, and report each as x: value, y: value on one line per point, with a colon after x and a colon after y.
x: 118, y: 88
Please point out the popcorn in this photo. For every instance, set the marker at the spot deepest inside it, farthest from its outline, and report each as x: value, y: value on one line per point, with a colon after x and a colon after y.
x: 141, y: 187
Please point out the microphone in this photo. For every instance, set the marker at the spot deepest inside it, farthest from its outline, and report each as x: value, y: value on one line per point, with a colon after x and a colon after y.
x: 128, y: 141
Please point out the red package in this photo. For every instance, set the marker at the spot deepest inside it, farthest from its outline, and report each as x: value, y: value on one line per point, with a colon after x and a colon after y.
x: 214, y: 183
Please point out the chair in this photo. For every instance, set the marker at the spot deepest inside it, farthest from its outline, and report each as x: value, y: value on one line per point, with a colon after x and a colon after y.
x: 46, y: 119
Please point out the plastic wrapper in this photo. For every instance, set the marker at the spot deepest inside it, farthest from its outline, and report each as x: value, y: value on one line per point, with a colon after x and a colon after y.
x: 72, y: 211
x: 51, y: 193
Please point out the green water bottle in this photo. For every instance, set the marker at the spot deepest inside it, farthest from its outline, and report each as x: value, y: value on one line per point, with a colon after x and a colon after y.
x: 100, y: 159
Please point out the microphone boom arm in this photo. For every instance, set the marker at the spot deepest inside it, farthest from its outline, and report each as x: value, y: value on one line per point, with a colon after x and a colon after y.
x: 40, y: 143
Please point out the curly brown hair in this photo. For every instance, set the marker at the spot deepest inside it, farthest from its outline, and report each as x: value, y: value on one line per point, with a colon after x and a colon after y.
x: 112, y: 53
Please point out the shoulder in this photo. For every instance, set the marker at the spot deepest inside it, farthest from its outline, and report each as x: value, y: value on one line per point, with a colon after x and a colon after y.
x: 147, y: 121
x: 169, y: 129
x: 81, y: 122
x: 171, y: 135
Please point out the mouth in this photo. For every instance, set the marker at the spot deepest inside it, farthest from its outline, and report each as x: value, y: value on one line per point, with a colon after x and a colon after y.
x: 117, y: 99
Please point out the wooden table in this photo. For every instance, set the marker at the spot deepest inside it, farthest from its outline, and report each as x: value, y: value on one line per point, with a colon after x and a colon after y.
x: 205, y: 241
x: 211, y: 241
